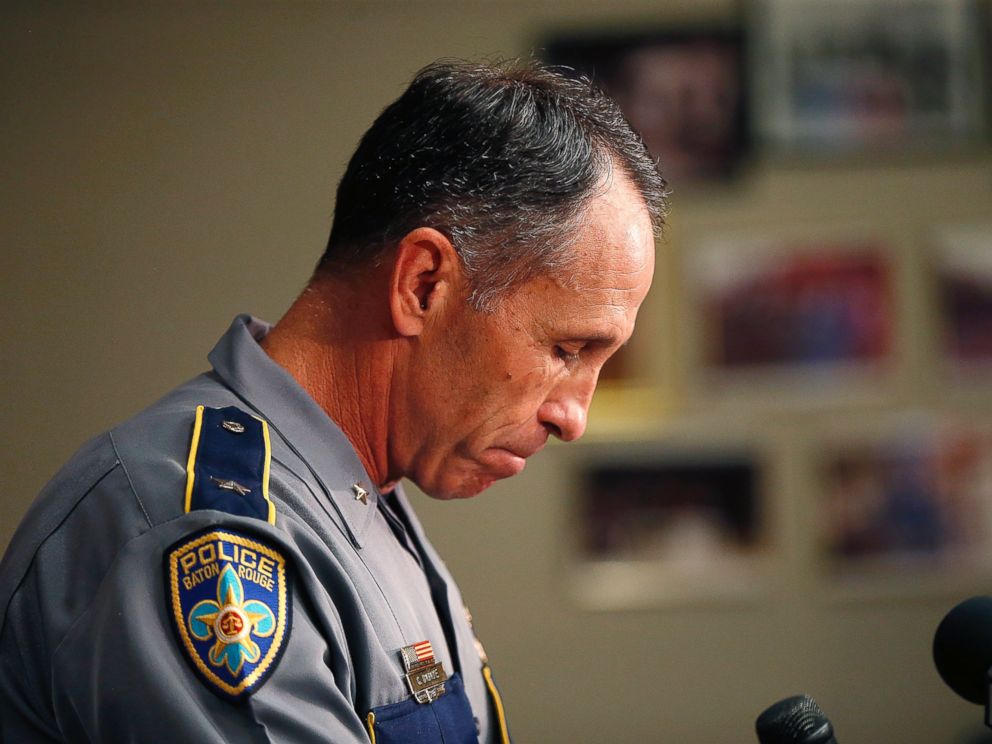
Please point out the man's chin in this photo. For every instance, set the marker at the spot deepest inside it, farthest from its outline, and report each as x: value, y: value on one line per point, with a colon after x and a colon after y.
x: 473, y: 476
x: 461, y: 488
x: 466, y: 490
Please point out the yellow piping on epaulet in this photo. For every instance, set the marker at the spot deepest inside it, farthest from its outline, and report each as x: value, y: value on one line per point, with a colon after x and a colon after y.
x: 266, y: 470
x: 370, y: 721
x: 191, y: 462
x: 504, y: 734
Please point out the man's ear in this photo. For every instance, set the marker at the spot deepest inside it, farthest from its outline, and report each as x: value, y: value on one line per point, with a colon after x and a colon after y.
x: 426, y: 272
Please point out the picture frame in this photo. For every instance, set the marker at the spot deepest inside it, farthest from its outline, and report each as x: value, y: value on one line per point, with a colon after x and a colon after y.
x: 836, y: 76
x: 682, y: 89
x: 961, y: 269
x: 904, y: 506
x: 657, y: 525
x: 815, y: 310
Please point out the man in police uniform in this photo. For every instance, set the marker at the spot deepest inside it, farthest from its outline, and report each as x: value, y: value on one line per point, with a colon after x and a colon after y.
x: 237, y: 562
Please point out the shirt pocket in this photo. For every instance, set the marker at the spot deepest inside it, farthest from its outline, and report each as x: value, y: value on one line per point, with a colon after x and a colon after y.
x: 448, y: 719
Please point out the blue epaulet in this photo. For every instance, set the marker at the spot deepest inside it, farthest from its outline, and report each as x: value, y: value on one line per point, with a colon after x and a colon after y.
x: 229, y: 462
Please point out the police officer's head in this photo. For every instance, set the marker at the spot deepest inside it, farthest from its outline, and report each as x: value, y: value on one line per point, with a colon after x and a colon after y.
x: 492, y: 242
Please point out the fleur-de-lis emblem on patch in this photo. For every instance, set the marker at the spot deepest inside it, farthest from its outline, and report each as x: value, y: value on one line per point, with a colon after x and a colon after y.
x: 232, y: 622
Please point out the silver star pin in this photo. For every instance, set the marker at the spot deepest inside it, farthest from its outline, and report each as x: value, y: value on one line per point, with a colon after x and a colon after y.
x: 360, y: 494
x: 230, y: 485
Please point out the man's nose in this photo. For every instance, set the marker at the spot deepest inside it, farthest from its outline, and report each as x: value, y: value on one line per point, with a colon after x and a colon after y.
x: 565, y: 411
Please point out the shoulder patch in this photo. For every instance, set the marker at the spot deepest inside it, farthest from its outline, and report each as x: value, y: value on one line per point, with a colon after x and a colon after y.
x: 229, y: 461
x: 230, y: 604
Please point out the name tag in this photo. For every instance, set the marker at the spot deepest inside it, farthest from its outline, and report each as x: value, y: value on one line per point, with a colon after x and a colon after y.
x: 424, y: 675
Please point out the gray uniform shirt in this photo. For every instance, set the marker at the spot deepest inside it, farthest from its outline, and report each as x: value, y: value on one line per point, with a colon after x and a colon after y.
x: 87, y: 652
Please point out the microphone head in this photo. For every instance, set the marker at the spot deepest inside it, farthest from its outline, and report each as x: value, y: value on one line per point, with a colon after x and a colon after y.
x: 795, y: 720
x: 962, y: 648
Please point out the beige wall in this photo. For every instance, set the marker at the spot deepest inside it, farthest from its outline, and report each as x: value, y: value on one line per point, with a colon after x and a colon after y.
x: 167, y: 166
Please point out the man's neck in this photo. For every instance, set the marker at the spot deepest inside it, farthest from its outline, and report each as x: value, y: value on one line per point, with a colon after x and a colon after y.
x: 339, y: 351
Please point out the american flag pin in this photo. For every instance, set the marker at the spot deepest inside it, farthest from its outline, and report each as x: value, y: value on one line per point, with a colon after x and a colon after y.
x: 424, y: 675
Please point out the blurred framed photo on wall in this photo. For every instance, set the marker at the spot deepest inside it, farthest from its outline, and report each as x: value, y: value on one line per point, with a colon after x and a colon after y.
x: 683, y: 91
x: 856, y: 75
x: 914, y: 501
x: 655, y: 527
x: 962, y: 272
x: 806, y: 310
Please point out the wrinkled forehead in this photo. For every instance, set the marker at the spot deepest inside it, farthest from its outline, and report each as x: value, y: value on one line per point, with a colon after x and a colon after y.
x: 616, y: 269
x: 616, y: 259
x: 595, y: 300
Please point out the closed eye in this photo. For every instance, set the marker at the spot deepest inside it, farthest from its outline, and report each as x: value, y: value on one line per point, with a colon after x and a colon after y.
x: 566, y: 355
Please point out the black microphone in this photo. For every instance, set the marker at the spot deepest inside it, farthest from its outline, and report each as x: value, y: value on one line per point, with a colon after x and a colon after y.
x: 962, y: 650
x: 795, y: 720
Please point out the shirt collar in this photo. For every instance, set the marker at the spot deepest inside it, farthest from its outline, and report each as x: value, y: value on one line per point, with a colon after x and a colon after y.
x: 302, y: 424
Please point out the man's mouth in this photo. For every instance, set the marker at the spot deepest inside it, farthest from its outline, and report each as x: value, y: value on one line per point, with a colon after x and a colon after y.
x: 525, y: 452
x: 505, y: 462
x: 502, y: 462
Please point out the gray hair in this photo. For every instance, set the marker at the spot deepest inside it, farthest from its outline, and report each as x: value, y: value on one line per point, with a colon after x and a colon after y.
x: 502, y: 158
